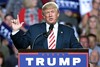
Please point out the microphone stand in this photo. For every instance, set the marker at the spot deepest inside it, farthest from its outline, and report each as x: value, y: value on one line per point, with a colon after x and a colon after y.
x: 46, y: 34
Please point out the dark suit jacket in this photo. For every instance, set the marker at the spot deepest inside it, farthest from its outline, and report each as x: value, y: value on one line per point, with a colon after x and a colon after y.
x: 65, y: 38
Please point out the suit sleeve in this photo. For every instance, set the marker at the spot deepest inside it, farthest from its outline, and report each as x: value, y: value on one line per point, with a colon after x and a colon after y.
x: 74, y: 42
x: 21, y: 40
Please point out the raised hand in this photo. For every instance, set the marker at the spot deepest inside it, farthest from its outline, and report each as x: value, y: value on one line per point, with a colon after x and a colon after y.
x: 16, y: 25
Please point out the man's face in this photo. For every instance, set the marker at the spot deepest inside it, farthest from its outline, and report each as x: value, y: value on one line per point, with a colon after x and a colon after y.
x: 84, y: 42
x: 92, y: 42
x: 8, y: 20
x: 94, y: 57
x: 51, y: 15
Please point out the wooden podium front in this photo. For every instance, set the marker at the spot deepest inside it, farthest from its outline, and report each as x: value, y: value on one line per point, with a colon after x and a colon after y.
x: 53, y: 58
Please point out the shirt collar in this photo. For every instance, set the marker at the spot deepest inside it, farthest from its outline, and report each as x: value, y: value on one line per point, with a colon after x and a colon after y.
x: 55, y: 26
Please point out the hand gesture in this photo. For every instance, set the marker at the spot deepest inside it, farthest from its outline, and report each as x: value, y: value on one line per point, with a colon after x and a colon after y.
x: 16, y: 25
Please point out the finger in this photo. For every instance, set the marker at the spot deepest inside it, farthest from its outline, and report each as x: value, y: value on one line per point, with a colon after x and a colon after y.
x: 22, y: 23
x: 18, y: 18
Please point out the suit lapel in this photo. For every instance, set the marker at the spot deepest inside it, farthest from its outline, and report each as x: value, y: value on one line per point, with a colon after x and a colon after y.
x: 59, y: 37
x: 45, y: 45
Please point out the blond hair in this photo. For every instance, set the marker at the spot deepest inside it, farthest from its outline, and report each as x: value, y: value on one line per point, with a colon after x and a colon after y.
x: 97, y: 28
x: 28, y: 3
x: 50, y: 5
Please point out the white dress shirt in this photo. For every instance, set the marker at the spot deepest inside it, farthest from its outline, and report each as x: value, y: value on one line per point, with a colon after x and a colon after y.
x: 14, y: 32
x: 55, y: 29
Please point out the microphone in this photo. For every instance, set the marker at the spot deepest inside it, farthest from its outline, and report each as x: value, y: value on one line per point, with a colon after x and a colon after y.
x: 45, y: 34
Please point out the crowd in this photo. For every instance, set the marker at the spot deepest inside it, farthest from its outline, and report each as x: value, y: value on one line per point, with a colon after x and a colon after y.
x: 87, y: 30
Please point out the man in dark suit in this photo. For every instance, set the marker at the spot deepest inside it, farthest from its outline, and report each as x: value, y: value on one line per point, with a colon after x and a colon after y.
x: 61, y: 36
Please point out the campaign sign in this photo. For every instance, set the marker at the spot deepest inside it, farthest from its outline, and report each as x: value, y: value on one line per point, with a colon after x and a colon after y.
x: 72, y: 5
x: 53, y: 59
x: 5, y: 32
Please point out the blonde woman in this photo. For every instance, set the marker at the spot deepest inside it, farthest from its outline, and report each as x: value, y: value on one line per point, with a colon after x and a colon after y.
x: 93, y: 27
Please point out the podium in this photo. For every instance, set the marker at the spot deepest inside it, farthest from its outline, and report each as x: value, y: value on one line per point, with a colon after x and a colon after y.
x: 53, y: 58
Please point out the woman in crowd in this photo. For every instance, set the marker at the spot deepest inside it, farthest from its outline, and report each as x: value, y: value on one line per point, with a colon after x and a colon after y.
x: 93, y: 27
x: 94, y: 11
x: 30, y: 14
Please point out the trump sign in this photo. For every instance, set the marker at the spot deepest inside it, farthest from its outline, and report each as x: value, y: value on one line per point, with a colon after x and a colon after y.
x: 53, y: 59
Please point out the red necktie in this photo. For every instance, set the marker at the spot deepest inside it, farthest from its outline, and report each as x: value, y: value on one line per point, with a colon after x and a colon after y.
x: 51, y: 42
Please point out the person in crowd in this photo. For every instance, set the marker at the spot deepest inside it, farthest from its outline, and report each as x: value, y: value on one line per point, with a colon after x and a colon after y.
x: 47, y: 35
x: 1, y: 60
x: 5, y: 27
x: 1, y: 15
x: 12, y: 60
x: 94, y: 11
x: 30, y: 13
x: 14, y: 6
x: 7, y: 19
x: 4, y: 48
x: 94, y: 58
x: 5, y: 30
x: 92, y: 42
x: 66, y: 16
x: 93, y: 45
x: 99, y: 16
x: 84, y: 41
x: 93, y: 27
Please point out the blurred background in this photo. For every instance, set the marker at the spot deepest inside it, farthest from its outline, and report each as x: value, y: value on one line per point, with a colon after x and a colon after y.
x: 82, y: 15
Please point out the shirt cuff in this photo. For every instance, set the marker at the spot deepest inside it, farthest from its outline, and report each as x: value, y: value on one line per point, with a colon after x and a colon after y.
x: 13, y: 33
